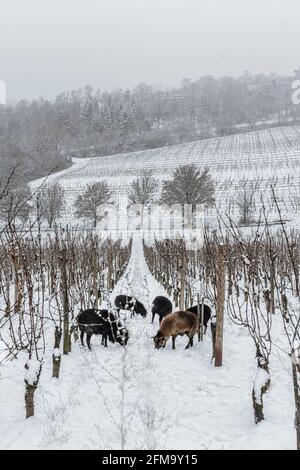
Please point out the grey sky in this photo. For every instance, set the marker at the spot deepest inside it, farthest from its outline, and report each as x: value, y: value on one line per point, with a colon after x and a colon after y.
x: 47, y: 46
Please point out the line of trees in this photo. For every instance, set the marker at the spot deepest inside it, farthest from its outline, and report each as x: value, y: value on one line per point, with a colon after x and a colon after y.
x: 188, y: 185
x: 20, y: 202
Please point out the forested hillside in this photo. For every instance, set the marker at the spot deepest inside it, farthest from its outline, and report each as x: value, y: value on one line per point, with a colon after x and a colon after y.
x: 42, y: 134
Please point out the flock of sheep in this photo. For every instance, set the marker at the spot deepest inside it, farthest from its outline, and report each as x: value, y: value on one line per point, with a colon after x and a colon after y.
x: 108, y: 324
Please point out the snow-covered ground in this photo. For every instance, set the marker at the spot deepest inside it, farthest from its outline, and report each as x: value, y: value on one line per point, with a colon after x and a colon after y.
x: 138, y: 397
x: 259, y: 159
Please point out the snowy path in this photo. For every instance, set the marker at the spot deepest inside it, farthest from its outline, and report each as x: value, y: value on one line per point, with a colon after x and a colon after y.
x: 164, y: 398
x: 138, y: 280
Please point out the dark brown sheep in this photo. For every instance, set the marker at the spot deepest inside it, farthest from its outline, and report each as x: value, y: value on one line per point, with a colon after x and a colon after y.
x: 174, y: 324
x: 162, y: 307
x: 206, y: 311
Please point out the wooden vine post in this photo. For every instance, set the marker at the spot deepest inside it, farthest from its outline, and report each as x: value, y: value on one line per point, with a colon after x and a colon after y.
x: 66, y: 307
x: 109, y: 267
x: 56, y: 357
x: 183, y: 282
x: 296, y: 382
x: 202, y: 321
x: 200, y: 314
x: 218, y: 349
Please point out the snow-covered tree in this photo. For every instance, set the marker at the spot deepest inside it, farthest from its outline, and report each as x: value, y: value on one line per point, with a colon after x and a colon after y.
x: 189, y: 186
x: 143, y: 189
x: 51, y: 202
x: 142, y: 192
x: 16, y: 204
x: 88, y: 203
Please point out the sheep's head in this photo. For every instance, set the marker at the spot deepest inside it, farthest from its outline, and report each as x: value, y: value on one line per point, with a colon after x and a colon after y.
x: 159, y: 341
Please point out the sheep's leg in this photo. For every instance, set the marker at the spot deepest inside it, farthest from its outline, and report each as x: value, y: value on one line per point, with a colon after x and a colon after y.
x: 105, y: 341
x: 190, y: 343
x: 173, y: 342
x: 88, y: 340
x: 81, y: 337
x: 153, y: 316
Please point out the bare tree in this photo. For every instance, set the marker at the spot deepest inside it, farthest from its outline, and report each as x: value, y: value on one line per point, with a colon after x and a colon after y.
x: 16, y: 203
x: 51, y: 202
x: 143, y: 191
x: 245, y: 204
x: 88, y: 203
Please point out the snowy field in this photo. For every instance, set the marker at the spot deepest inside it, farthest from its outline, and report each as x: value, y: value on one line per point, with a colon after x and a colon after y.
x: 255, y: 159
x: 165, y: 399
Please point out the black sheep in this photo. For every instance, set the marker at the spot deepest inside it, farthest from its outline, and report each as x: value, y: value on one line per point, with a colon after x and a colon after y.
x: 162, y: 307
x: 101, y: 322
x: 124, y: 302
x: 121, y: 329
x: 207, y: 313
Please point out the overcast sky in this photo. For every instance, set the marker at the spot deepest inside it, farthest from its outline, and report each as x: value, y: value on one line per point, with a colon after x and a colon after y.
x: 47, y: 46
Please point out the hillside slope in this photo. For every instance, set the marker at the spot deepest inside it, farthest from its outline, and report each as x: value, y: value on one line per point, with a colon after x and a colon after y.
x: 255, y: 159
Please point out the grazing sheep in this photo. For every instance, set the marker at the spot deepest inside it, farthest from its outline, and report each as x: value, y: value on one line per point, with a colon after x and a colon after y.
x: 124, y: 302
x: 122, y: 334
x: 174, y: 324
x: 162, y: 307
x: 206, y: 317
x: 101, y: 322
